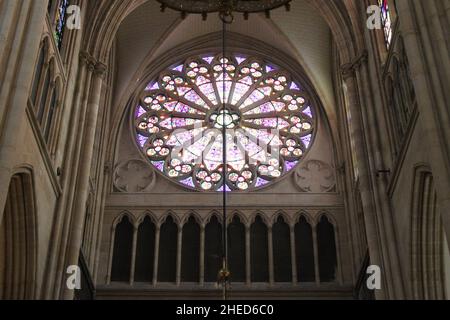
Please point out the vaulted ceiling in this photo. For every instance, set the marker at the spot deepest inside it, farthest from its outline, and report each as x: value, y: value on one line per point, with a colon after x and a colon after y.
x: 142, y: 33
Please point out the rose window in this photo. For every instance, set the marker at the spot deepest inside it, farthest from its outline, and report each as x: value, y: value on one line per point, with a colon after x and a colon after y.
x: 265, y: 116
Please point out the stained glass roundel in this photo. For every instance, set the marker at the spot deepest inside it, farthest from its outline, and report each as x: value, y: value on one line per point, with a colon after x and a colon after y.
x: 182, y: 116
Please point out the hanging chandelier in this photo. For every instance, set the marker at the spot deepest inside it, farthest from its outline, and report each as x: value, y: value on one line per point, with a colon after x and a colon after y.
x: 225, y: 8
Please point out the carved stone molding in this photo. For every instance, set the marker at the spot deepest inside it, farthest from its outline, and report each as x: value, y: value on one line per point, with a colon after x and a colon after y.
x: 348, y: 70
x: 315, y: 176
x: 134, y: 176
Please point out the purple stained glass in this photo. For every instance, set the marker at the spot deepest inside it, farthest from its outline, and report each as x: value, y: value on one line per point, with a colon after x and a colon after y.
x: 152, y: 86
x: 308, y: 112
x: 188, y: 182
x: 208, y: 59
x: 294, y: 86
x: 159, y: 165
x: 142, y: 140
x: 260, y: 182
x: 306, y: 140
x: 183, y: 90
x: 140, y: 112
x: 269, y: 69
x: 240, y: 59
x: 227, y: 189
x: 290, y: 165
x: 185, y: 117
x: 179, y: 68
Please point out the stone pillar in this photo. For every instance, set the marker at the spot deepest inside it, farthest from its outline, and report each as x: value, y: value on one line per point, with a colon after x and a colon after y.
x: 202, y: 254
x: 365, y: 179
x: 110, y: 256
x: 316, y: 254
x: 76, y: 226
x: 293, y: 255
x: 55, y: 265
x: 133, y: 255
x: 179, y: 253
x: 156, y: 259
x: 248, y: 257
x: 270, y: 254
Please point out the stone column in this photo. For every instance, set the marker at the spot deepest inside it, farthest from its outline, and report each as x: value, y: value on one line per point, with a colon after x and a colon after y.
x: 179, y: 253
x: 202, y: 254
x: 293, y: 255
x: 316, y: 254
x: 248, y: 257
x: 110, y: 256
x: 133, y: 255
x: 358, y: 137
x: 156, y: 259
x: 55, y: 264
x: 270, y: 253
x: 76, y: 226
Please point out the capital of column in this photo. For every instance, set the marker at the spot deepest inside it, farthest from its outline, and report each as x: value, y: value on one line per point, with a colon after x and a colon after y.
x: 100, y: 68
x: 348, y: 70
x: 93, y: 64
x: 87, y: 59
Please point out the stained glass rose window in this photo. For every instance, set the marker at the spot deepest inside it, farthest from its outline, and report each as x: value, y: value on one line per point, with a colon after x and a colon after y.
x: 182, y: 117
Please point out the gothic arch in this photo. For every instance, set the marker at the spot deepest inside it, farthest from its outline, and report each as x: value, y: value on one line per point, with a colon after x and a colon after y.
x: 427, y: 272
x: 146, y: 214
x: 106, y: 18
x: 212, y: 214
x: 18, y: 239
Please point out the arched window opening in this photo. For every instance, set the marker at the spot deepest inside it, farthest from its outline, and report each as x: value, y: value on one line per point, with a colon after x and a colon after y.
x: 48, y: 122
x: 386, y: 21
x: 281, y: 236
x: 213, y: 249
x: 168, y: 244
x: 236, y: 250
x: 145, y: 251
x: 326, y: 243
x: 60, y: 22
x: 123, y: 244
x: 43, y: 98
x: 259, y: 251
x: 38, y: 74
x: 190, y: 257
x: 304, y: 248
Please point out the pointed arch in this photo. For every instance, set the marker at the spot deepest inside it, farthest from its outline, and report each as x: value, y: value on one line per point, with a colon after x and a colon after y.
x: 427, y: 245
x: 304, y: 250
x: 168, y: 246
x: 190, y: 251
x: 281, y: 238
x: 326, y: 244
x: 18, y: 239
x: 237, y: 249
x: 145, y: 250
x: 259, y: 250
x: 213, y: 248
x: 122, y: 248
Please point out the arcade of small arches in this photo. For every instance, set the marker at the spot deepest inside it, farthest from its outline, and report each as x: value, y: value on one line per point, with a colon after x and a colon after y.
x: 158, y: 250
